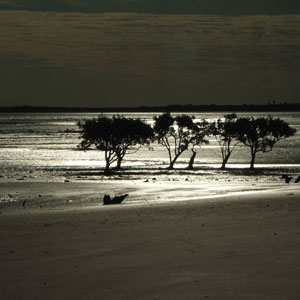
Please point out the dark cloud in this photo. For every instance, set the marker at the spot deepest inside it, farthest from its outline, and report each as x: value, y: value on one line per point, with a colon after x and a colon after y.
x: 231, y: 7
x: 144, y: 59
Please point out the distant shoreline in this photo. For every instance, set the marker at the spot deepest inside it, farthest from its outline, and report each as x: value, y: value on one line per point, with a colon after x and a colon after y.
x: 191, y: 11
x: 283, y: 107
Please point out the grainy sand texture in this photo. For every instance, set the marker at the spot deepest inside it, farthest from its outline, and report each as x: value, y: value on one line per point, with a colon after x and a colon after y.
x: 64, y: 244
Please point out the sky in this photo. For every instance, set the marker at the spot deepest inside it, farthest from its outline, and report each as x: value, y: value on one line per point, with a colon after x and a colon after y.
x: 231, y: 7
x: 67, y: 57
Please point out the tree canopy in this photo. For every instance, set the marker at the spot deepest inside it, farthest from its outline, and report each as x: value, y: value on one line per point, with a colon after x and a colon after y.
x: 225, y: 131
x: 116, y: 136
x: 201, y: 132
x: 176, y: 134
x: 261, y: 134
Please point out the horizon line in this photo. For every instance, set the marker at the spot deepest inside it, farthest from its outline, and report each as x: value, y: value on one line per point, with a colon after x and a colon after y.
x: 155, y: 108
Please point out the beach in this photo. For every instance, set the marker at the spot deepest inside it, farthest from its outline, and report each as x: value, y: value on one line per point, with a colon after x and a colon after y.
x: 204, y: 233
x: 63, y: 243
x: 188, y: 111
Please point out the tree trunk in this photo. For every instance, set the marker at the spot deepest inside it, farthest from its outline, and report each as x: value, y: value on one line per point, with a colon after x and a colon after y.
x: 225, y: 160
x: 119, y: 161
x: 107, y: 170
x: 171, y: 166
x: 252, y: 160
x: 192, y: 159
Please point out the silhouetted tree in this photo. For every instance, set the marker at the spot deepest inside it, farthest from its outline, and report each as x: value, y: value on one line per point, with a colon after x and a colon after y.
x: 175, y: 133
x: 261, y: 134
x: 201, y: 131
x: 116, y: 136
x: 133, y: 133
x: 225, y: 131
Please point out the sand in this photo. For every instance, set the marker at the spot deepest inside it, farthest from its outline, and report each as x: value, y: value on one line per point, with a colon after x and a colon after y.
x: 234, y: 245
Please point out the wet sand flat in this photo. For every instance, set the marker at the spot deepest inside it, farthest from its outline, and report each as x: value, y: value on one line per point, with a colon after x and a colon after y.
x: 243, y: 246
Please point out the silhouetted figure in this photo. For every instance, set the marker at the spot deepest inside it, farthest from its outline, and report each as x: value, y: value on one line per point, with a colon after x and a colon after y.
x: 115, y: 200
x: 298, y: 179
x: 24, y: 202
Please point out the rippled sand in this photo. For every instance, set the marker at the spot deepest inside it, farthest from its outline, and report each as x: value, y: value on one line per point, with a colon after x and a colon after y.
x: 64, y: 244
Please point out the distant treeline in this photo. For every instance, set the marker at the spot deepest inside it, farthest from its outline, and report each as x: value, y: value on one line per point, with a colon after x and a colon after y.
x: 282, y: 107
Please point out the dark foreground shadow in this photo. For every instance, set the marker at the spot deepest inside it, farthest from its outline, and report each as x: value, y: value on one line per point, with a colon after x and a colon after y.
x: 201, y: 171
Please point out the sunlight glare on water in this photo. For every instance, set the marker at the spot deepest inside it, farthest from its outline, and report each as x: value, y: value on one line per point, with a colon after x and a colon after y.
x: 50, y: 140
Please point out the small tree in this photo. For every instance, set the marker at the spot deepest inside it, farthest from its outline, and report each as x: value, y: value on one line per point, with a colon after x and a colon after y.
x: 202, y: 130
x: 174, y: 133
x: 132, y: 134
x: 116, y: 136
x: 226, y: 132
x: 261, y: 134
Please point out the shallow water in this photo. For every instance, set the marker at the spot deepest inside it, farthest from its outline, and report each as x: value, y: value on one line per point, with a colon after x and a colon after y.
x: 33, y: 142
x: 48, y: 140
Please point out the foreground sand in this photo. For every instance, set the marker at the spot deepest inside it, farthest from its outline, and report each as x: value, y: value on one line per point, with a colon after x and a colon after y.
x: 243, y: 246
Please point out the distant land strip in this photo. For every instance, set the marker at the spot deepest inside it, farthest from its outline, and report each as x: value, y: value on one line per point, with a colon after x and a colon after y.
x: 282, y: 107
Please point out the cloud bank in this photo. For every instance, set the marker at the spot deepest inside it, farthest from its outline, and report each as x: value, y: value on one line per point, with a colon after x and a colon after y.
x: 227, y: 7
x: 146, y: 59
